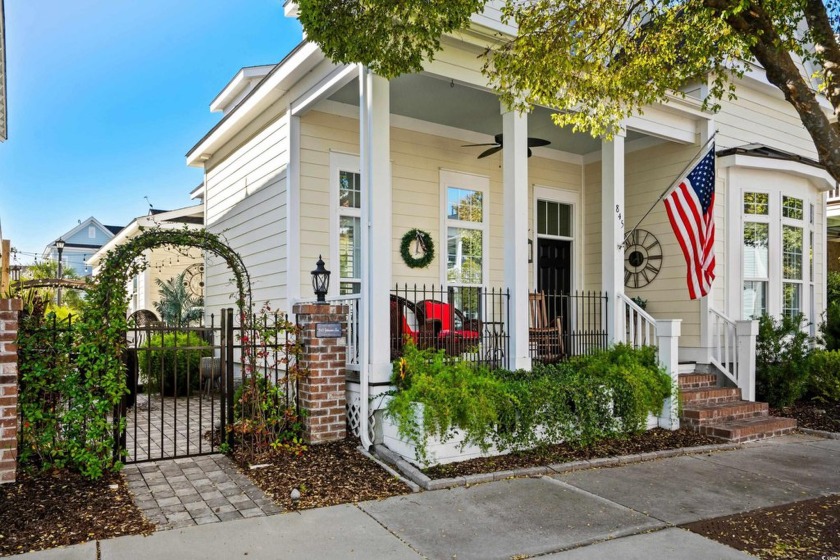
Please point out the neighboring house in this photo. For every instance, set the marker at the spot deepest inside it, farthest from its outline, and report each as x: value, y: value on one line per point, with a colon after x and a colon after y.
x: 315, y: 158
x: 80, y: 243
x: 163, y: 263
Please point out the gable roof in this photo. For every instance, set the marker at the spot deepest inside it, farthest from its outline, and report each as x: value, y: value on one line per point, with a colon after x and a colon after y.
x: 109, y: 230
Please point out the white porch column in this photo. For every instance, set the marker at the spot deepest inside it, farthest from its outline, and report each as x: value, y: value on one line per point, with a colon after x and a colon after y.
x: 746, y: 333
x: 515, y: 177
x: 375, y: 160
x: 668, y: 345
x: 612, y: 231
x: 706, y: 130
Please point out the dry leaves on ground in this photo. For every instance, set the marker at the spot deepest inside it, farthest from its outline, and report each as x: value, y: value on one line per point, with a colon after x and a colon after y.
x: 325, y: 475
x: 63, y: 508
x: 806, y: 529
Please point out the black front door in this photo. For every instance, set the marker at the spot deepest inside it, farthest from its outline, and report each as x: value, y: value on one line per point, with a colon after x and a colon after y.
x: 554, y: 273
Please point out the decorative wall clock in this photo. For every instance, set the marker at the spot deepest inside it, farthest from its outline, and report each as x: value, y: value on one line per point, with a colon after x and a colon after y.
x: 194, y: 280
x: 642, y: 258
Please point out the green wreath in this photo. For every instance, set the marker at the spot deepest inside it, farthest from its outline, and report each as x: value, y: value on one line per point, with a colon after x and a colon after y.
x: 425, y: 242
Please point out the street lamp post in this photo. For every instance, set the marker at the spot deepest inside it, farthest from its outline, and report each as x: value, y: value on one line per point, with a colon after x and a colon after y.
x: 59, y: 245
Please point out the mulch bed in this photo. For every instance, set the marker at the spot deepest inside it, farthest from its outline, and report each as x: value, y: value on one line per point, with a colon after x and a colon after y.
x: 814, y: 416
x: 645, y: 442
x: 63, y: 508
x: 325, y: 475
x: 806, y: 529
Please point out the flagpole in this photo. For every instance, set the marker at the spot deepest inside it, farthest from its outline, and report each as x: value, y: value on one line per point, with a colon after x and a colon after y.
x: 671, y: 186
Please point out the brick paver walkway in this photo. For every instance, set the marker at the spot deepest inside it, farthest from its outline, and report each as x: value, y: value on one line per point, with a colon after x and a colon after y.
x: 178, y: 493
x: 162, y: 428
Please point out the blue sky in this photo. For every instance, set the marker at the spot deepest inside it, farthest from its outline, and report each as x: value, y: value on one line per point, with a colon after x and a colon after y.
x: 106, y: 96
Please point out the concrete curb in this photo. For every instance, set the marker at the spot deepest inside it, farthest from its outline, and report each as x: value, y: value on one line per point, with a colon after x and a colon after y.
x: 820, y: 433
x: 422, y: 481
x: 410, y: 483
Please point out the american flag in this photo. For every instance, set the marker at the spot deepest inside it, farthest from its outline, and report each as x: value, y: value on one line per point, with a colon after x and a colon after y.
x: 691, y: 210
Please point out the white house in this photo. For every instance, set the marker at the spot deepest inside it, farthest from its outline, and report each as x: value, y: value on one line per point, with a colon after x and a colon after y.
x: 312, y: 158
x: 163, y: 263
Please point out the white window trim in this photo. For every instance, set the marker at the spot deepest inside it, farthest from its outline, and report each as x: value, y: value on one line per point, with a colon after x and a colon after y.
x: 776, y: 280
x: 339, y: 162
x: 563, y: 196
x: 468, y: 181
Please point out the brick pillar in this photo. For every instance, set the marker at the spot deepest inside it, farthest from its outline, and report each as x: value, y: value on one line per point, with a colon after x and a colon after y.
x: 322, y: 391
x: 9, y: 313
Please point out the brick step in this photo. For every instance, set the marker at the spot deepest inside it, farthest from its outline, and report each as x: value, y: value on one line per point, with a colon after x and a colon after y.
x: 717, y: 413
x: 749, y: 429
x: 710, y: 395
x: 697, y: 380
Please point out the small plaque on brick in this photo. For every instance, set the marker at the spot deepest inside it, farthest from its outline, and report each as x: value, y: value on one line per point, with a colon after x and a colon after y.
x: 328, y: 330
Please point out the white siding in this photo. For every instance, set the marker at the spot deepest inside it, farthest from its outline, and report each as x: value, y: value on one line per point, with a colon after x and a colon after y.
x: 756, y: 117
x: 246, y: 205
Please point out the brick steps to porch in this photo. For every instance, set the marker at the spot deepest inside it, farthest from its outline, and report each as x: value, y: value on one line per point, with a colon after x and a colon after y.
x: 720, y: 412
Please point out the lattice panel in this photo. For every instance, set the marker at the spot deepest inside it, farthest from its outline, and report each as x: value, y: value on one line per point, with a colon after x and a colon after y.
x: 354, y: 416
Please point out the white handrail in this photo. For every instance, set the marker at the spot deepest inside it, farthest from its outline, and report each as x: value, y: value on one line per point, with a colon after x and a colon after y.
x: 640, y: 327
x: 724, y: 351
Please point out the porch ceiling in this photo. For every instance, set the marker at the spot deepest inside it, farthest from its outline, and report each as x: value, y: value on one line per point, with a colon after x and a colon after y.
x: 432, y: 99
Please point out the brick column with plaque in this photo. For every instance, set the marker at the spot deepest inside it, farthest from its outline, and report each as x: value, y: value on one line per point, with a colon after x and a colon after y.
x: 324, y: 341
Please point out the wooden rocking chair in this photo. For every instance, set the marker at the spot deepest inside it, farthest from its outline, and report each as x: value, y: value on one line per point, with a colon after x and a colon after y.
x: 545, y: 338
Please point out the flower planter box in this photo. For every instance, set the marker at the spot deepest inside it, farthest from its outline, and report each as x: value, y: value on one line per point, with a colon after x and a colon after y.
x: 450, y: 451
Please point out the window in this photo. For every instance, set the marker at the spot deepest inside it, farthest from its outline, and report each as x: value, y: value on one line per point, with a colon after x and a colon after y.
x: 554, y: 218
x: 345, y: 258
x: 465, y: 228
x: 792, y: 207
x: 91, y: 232
x: 756, y: 265
x: 756, y: 204
x: 778, y: 237
x: 349, y: 232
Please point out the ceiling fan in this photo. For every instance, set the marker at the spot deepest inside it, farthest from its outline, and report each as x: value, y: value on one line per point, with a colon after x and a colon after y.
x: 498, y: 145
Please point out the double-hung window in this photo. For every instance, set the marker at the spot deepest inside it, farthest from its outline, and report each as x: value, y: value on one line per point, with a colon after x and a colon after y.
x: 756, y: 255
x: 793, y: 242
x: 347, y: 226
x: 466, y: 231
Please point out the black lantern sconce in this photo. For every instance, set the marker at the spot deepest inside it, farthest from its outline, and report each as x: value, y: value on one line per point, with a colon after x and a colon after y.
x: 530, y: 251
x: 320, y: 281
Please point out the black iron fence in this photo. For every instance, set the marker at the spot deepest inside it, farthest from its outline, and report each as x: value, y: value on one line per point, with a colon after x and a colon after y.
x: 183, y: 382
x: 469, y: 323
x: 567, y: 324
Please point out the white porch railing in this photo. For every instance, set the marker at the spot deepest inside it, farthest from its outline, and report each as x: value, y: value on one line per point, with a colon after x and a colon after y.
x: 640, y: 328
x: 352, y: 301
x: 732, y: 350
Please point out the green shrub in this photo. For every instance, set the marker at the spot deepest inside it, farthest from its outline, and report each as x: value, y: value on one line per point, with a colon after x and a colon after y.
x: 172, y: 358
x: 783, y: 352
x: 824, y: 383
x: 606, y: 394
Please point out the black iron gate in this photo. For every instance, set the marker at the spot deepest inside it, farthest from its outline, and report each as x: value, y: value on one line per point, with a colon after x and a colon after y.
x: 181, y: 390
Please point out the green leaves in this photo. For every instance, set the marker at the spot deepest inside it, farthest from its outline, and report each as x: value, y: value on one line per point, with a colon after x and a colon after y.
x: 390, y: 37
x: 593, y: 397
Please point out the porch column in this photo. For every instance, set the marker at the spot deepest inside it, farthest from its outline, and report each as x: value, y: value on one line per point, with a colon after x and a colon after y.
x: 375, y: 160
x: 612, y: 231
x: 515, y: 164
x: 668, y: 349
x: 746, y: 331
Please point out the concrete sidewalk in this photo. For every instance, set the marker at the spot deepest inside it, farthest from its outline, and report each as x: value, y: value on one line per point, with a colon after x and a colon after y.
x: 623, y: 512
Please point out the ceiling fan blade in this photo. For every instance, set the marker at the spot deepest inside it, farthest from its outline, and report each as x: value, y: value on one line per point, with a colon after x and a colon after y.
x: 486, y: 144
x: 537, y: 142
x: 489, y: 152
x: 530, y: 153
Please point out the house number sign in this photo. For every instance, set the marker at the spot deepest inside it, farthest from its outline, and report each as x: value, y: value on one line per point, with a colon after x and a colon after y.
x: 327, y: 330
